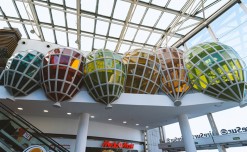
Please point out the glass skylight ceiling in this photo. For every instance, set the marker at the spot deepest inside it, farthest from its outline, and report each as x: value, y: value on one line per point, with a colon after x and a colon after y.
x: 117, y: 25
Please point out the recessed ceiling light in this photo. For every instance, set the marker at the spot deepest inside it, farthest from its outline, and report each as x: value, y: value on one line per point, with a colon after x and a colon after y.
x: 45, y: 110
x: 147, y: 126
x: 109, y: 119
x: 20, y: 108
x: 137, y: 124
x: 68, y: 113
x: 124, y: 122
x: 92, y: 117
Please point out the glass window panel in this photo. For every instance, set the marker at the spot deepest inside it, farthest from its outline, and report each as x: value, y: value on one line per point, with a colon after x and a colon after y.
x: 57, y: 1
x: 195, y: 5
x: 135, y: 47
x: 86, y: 43
x: 154, y: 37
x: 165, y: 20
x: 72, y: 40
x: 22, y: 10
x: 99, y: 44
x: 185, y: 25
x: 161, y: 3
x: 102, y: 27
x: 177, y: 5
x: 121, y: 10
x: 186, y: 30
x: 71, y: 4
x: 115, y: 30
x: 20, y: 28
x: 141, y: 36
x: 3, y: 24
x: 111, y: 45
x: 232, y: 31
x: 43, y: 14
x: 71, y: 18
x: 87, y: 24
x: 32, y: 35
x: 61, y: 38
x: 130, y: 33
x: 105, y: 7
x: 124, y: 48
x: 8, y: 8
x: 151, y: 17
x: 48, y: 35
x: 171, y: 41
x: 58, y: 17
x: 88, y: 5
x: 230, y: 20
x: 212, y: 9
x: 139, y: 12
x: 202, y: 36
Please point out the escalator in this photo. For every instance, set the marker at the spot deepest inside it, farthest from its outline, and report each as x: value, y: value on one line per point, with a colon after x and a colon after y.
x: 17, y: 134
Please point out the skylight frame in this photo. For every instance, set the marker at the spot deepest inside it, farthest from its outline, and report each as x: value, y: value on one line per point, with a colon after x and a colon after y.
x: 98, y: 17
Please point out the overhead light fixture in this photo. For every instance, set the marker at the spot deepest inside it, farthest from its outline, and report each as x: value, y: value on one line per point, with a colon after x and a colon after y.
x: 45, y: 110
x: 109, y: 119
x: 20, y: 108
x: 125, y: 122
x: 68, y: 113
x: 137, y: 124
x: 92, y: 117
x: 147, y: 126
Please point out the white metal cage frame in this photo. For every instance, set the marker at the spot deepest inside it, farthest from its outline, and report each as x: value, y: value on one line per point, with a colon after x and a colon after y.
x: 220, y: 66
x: 105, y: 75
x: 174, y: 79
x: 143, y: 71
x: 22, y: 72
x: 62, y: 74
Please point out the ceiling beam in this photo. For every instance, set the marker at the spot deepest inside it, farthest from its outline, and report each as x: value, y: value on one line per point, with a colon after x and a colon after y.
x: 167, y: 10
x: 36, y: 20
x: 171, y: 30
x: 78, y: 6
x: 205, y: 23
x: 126, y: 24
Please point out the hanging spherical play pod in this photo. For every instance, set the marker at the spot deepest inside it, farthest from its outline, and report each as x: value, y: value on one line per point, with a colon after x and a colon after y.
x: 22, y: 72
x: 62, y: 74
x: 105, y: 76
x: 217, y: 70
x: 174, y: 78
x: 143, y: 72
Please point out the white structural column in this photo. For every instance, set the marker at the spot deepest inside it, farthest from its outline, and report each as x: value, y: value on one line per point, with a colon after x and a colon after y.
x: 215, y: 131
x: 188, y: 140
x: 81, y: 138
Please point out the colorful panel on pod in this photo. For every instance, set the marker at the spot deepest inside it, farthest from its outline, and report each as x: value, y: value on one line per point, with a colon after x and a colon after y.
x: 143, y: 72
x: 22, y: 72
x: 105, y: 76
x: 174, y: 80
x: 62, y: 74
x: 217, y: 70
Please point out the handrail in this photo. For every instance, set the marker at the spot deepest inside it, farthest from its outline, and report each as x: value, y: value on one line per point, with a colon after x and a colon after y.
x: 43, y: 142
x: 40, y: 133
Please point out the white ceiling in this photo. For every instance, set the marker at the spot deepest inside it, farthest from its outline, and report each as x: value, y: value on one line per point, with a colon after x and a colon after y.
x: 146, y: 110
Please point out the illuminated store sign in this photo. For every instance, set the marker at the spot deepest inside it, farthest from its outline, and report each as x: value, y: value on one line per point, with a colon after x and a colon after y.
x: 108, y: 144
x: 233, y: 131
x: 205, y: 135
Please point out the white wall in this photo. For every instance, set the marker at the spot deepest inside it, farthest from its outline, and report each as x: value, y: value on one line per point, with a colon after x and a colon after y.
x: 69, y: 126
